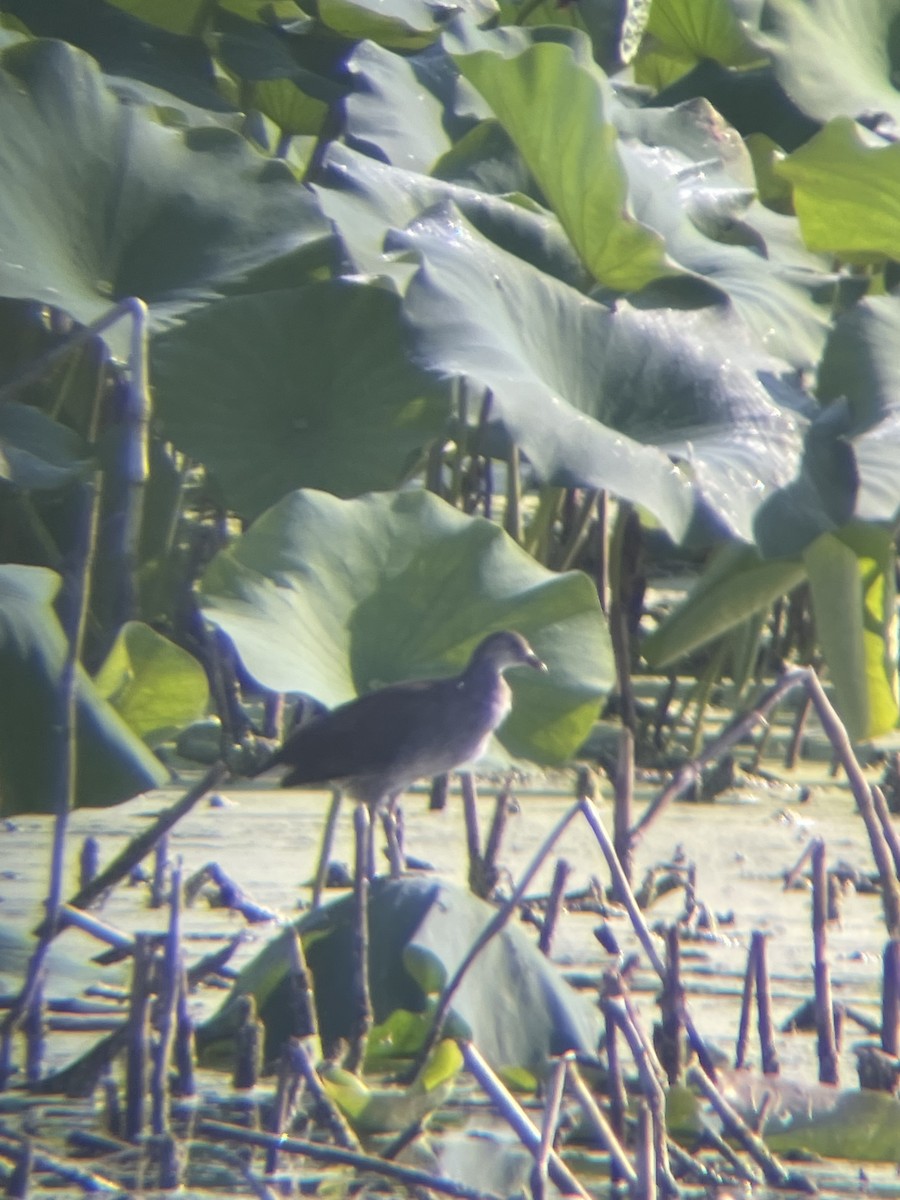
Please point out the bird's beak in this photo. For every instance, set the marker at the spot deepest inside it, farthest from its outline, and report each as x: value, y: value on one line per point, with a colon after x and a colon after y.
x: 533, y: 661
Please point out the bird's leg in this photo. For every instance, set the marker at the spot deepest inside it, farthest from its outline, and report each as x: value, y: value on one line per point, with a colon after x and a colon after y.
x: 327, y: 846
x: 371, y: 814
x: 362, y: 1003
x: 392, y: 822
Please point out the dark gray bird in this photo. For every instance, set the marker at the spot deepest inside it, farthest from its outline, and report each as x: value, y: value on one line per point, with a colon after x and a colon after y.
x: 379, y: 744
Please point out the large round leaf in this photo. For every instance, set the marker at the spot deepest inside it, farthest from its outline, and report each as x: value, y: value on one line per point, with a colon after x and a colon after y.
x: 516, y: 1006
x: 366, y: 199
x: 849, y: 467
x: 306, y: 387
x: 400, y: 108
x: 99, y: 202
x: 36, y: 452
x: 834, y: 58
x: 607, y: 397
x: 333, y: 598
x: 113, y: 763
x: 634, y: 211
x: 845, y: 188
x: 553, y: 103
x: 860, y: 373
x: 156, y: 686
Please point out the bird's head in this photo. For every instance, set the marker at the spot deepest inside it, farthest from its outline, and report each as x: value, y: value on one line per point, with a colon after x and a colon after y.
x: 505, y: 649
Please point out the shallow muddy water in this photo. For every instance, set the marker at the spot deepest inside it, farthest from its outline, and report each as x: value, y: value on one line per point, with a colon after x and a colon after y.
x: 267, y: 841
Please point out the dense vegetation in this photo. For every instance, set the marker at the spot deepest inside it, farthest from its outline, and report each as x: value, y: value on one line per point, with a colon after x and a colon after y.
x: 637, y: 251
x: 335, y: 334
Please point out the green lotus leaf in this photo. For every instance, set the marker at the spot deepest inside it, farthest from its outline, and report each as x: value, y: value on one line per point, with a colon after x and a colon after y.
x: 516, y: 1004
x: 852, y: 582
x: 98, y: 201
x: 366, y: 199
x: 390, y: 1109
x: 772, y: 298
x: 399, y: 24
x: 425, y: 585
x: 834, y: 59
x: 271, y: 80
x: 187, y: 18
x: 113, y: 764
x: 857, y: 1124
x: 401, y: 108
x: 553, y: 102
x: 847, y: 192
x: 736, y: 585
x: 36, y: 452
x: 306, y: 387
x: 154, y: 685
x: 607, y: 397
x: 860, y: 368
x: 680, y: 33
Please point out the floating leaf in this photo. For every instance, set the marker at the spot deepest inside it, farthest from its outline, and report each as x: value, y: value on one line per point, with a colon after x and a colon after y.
x: 515, y: 1003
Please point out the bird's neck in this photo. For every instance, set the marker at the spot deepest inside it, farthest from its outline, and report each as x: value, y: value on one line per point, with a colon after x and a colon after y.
x: 486, y: 684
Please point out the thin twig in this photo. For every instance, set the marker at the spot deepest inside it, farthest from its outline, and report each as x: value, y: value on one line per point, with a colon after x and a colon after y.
x: 733, y: 733
x: 493, y: 927
x: 332, y: 1116
x: 774, y: 1173
x: 837, y: 734
x: 827, y: 1041
x: 65, y: 1169
x: 325, y: 851
x: 362, y: 1001
x: 765, y: 1024
x: 64, y: 782
x: 743, y: 1036
x: 604, y: 1130
x: 519, y: 1121
x: 553, y: 1095
x: 624, y: 796
x: 626, y: 897
x: 140, y: 846
x: 554, y: 906
x: 340, y: 1157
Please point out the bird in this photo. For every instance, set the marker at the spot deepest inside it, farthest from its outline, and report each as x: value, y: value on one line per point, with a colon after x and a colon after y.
x: 374, y: 747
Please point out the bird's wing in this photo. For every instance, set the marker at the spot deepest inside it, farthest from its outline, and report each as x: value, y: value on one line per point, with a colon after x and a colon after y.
x: 371, y: 735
